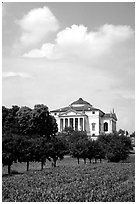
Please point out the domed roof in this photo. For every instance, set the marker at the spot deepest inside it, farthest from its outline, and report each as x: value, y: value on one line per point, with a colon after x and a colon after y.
x: 80, y: 101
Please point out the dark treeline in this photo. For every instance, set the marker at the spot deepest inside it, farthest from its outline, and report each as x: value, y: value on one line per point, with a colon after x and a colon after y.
x: 31, y: 135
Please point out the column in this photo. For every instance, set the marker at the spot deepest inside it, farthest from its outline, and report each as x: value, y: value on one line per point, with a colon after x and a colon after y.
x: 63, y: 123
x: 68, y: 122
x: 59, y: 125
x: 73, y: 123
x: 79, y: 124
x: 83, y: 124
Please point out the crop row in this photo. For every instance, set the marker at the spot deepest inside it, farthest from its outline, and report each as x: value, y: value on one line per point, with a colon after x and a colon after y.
x: 85, y: 183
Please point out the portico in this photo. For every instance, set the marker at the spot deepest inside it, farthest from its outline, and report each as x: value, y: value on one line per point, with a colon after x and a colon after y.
x: 76, y: 123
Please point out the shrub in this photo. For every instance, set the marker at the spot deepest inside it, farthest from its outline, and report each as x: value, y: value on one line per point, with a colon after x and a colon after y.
x: 116, y: 147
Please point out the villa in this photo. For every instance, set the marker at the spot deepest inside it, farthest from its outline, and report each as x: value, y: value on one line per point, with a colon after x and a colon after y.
x: 82, y: 116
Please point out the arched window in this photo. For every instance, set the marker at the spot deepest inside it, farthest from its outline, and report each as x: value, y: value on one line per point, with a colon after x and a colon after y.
x: 105, y: 126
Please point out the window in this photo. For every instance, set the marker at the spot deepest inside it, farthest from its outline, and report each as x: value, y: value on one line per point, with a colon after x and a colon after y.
x: 93, y: 126
x: 93, y: 112
x: 105, y: 126
x: 55, y: 113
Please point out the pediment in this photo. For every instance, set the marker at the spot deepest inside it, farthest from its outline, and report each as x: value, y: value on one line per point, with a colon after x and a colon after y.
x: 71, y: 113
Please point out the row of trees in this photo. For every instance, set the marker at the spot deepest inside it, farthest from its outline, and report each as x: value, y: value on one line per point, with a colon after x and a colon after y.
x: 113, y: 147
x: 31, y: 135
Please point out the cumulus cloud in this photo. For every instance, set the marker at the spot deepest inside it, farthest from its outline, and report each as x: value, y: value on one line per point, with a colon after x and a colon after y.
x: 77, y: 41
x: 46, y: 50
x: 36, y: 25
x: 15, y: 74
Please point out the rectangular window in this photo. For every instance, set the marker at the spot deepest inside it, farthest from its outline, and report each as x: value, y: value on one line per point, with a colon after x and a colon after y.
x: 93, y: 126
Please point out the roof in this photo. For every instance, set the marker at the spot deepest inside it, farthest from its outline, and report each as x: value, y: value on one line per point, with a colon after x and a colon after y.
x: 110, y: 115
x: 83, y: 106
x: 81, y: 102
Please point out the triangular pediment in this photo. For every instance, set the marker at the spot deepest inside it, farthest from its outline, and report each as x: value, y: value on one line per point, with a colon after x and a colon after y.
x: 71, y: 112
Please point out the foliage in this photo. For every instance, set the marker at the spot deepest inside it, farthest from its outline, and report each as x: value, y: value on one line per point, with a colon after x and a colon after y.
x: 116, y: 147
x: 133, y: 134
x: 24, y: 119
x: 68, y: 130
x: 98, y: 150
x: 33, y: 129
x: 9, y: 150
x: 26, y: 150
x: 78, y: 143
x: 77, y: 135
x: 57, y: 149
x: 42, y: 123
x: 9, y: 120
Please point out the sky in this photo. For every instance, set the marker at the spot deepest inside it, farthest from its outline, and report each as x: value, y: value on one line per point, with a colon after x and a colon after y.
x: 55, y: 53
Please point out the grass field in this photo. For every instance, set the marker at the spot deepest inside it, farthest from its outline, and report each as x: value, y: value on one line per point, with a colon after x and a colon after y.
x: 70, y: 182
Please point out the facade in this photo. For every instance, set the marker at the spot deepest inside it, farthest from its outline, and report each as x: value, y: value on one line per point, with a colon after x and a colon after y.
x: 82, y: 116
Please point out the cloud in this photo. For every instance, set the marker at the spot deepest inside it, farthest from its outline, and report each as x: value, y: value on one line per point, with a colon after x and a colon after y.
x: 78, y: 42
x: 36, y: 25
x: 15, y: 74
x: 46, y: 50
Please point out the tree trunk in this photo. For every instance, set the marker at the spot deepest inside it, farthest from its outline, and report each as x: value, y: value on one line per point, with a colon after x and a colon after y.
x: 90, y: 161
x: 84, y: 160
x: 54, y: 162
x: 78, y: 160
x: 100, y: 160
x: 42, y: 164
x: 27, y: 165
x: 9, y: 168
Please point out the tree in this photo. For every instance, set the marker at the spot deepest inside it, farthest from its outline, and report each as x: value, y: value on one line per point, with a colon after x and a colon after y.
x: 121, y: 132
x: 68, y: 130
x: 132, y: 137
x: 98, y: 151
x: 35, y: 128
x: 79, y: 145
x: 45, y: 127
x: 41, y: 150
x: 9, y: 136
x: 5, y: 112
x: 39, y: 125
x: 77, y: 135
x: 90, y: 153
x: 116, y: 146
x: 42, y: 123
x: 10, y: 145
x: 24, y: 115
x: 133, y: 134
x: 57, y: 150
x: 26, y: 150
x: 9, y: 120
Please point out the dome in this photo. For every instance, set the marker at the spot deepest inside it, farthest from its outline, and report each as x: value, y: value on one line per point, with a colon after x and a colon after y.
x: 80, y: 102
